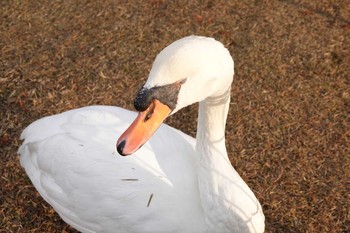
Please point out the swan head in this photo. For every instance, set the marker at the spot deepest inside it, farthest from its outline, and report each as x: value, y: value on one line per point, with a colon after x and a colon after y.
x: 187, y: 71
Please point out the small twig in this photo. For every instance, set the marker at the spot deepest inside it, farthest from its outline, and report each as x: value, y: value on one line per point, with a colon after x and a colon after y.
x: 149, y: 200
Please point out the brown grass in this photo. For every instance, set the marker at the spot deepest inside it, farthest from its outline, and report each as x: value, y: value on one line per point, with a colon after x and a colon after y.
x: 288, y: 132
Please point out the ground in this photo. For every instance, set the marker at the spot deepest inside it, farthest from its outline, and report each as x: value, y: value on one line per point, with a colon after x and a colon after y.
x: 288, y: 131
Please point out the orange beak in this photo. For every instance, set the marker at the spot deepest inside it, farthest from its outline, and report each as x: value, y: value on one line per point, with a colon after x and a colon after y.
x: 143, y: 127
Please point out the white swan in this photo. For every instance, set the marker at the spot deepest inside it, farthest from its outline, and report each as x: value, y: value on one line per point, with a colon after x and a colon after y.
x: 174, y: 183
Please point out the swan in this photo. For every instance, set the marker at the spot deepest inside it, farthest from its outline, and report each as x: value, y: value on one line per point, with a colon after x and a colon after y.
x: 169, y: 182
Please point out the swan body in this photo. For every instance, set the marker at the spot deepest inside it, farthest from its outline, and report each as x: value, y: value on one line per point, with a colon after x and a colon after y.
x: 71, y: 160
x: 173, y: 183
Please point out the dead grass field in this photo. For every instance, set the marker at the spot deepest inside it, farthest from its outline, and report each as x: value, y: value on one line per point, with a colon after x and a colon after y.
x: 288, y: 132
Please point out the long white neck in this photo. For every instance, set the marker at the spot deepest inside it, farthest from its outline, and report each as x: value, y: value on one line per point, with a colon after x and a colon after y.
x: 222, y: 190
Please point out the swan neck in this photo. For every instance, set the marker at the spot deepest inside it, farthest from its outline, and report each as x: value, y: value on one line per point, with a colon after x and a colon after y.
x: 212, y: 115
x: 225, y: 198
x: 213, y: 164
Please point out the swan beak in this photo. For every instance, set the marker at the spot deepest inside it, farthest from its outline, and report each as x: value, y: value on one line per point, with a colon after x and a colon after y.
x: 143, y: 127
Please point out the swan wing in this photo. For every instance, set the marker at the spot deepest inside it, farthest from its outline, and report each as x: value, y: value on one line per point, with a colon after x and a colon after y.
x: 71, y: 160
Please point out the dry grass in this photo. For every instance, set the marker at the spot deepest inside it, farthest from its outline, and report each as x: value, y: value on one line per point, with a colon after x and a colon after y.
x: 288, y: 132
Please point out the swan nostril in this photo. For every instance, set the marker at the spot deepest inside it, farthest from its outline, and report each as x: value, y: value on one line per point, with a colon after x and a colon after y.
x: 120, y: 147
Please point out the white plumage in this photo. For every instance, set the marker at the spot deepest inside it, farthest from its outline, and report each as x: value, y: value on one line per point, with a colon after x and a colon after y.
x: 171, y: 184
